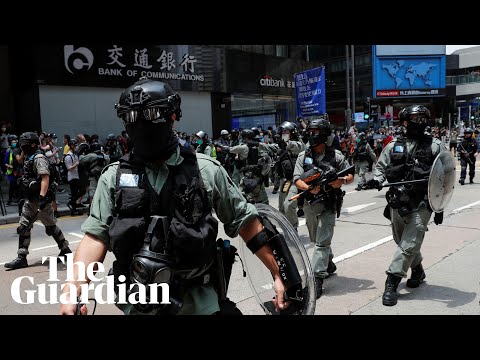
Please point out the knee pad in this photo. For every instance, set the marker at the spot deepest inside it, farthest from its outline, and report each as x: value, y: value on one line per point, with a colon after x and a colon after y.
x: 21, y: 229
x: 50, y: 230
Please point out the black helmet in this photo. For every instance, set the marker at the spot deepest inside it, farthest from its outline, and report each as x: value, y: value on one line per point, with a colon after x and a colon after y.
x: 154, y: 99
x: 248, y: 134
x: 111, y: 136
x: 256, y: 131
x: 362, y: 136
x: 234, y: 134
x: 293, y: 128
x: 73, y: 142
x: 325, y: 129
x: 419, y: 110
x: 95, y: 147
x: 28, y: 138
x: 83, y: 149
x: 468, y: 131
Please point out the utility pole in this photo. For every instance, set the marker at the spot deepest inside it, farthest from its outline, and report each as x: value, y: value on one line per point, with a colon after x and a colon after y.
x: 347, y: 72
x: 354, y: 108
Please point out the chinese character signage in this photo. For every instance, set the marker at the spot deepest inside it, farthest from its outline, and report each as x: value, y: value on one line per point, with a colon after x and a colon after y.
x: 184, y: 67
x: 310, y: 92
x: 408, y: 76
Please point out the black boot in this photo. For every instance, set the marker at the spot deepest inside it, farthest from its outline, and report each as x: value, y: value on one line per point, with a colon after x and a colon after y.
x: 471, y: 180
x: 331, y: 267
x: 319, y: 286
x: 18, y: 263
x: 417, y: 277
x: 390, y: 295
x: 461, y: 181
x: 63, y: 253
x: 275, y: 190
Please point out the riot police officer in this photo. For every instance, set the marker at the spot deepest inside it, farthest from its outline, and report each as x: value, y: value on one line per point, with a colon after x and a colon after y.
x: 361, y: 156
x: 467, y: 152
x: 254, y: 167
x: 290, y: 147
x: 94, y: 162
x: 321, y: 154
x: 204, y: 144
x: 39, y: 189
x: 408, y: 158
x: 162, y: 182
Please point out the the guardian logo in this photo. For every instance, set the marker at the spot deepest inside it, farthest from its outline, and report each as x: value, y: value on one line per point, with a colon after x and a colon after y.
x: 77, y: 60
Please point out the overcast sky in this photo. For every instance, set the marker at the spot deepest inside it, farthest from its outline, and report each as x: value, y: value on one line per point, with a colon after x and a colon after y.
x: 452, y: 48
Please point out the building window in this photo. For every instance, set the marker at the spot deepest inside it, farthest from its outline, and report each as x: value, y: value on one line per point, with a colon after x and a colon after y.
x: 281, y: 50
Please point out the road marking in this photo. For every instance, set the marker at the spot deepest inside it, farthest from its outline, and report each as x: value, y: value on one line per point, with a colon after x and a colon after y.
x: 76, y: 234
x: 465, y: 207
x: 355, y: 208
x: 51, y: 246
x: 351, y: 192
x: 362, y: 249
x: 38, y: 222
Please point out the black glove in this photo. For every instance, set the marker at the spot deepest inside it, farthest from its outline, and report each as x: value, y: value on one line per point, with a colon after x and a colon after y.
x: 43, y: 202
x: 374, y: 184
x: 438, y: 218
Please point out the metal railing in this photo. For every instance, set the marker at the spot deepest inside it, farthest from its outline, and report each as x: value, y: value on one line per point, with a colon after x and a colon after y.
x: 463, y: 79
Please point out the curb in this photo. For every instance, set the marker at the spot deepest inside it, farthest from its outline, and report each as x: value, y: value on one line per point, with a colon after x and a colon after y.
x: 14, y: 218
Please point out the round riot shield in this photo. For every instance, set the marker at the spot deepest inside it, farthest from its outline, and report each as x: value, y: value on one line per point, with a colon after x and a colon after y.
x: 441, y: 181
x: 260, y: 279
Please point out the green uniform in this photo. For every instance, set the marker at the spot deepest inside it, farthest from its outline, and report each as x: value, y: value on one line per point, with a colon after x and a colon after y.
x: 226, y: 199
x: 241, y: 151
x: 89, y: 160
x: 46, y: 216
x: 320, y: 221
x: 361, y: 166
x: 409, y: 230
x: 289, y: 208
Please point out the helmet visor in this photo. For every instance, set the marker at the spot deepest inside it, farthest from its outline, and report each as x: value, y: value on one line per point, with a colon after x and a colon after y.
x: 154, y: 114
x: 418, y: 119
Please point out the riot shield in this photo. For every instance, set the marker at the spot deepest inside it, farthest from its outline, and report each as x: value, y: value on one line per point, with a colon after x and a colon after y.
x: 441, y: 180
x: 260, y: 278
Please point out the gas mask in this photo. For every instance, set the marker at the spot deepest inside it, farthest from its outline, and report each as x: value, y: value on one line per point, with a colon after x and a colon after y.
x: 152, y: 141
x: 153, y: 264
x: 285, y: 137
x: 416, y: 126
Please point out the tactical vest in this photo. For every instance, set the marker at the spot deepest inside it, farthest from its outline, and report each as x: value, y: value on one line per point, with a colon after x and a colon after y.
x: 31, y: 181
x: 404, y: 166
x: 360, y: 152
x: 285, y: 164
x: 470, y: 146
x: 183, y: 198
x: 252, y: 158
x: 334, y: 200
x: 97, y: 166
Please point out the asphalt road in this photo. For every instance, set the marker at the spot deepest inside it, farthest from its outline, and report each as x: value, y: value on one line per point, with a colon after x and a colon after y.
x: 362, y: 247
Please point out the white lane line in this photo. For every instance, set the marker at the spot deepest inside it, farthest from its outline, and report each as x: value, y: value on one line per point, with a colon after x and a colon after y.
x: 351, y: 192
x: 355, y: 208
x: 38, y: 223
x: 362, y: 249
x: 465, y: 207
x: 76, y: 235
x: 52, y: 246
x: 302, y: 222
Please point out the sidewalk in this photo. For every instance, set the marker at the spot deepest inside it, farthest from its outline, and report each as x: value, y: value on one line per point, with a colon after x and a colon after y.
x: 12, y: 211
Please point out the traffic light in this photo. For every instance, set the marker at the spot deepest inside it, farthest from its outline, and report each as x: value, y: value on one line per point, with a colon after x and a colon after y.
x: 366, y: 111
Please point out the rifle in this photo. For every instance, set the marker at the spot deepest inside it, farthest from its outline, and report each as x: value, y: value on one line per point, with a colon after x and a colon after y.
x: 466, y: 155
x: 321, y: 177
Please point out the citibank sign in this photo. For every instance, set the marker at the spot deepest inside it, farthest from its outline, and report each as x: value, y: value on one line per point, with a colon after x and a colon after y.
x: 267, y: 81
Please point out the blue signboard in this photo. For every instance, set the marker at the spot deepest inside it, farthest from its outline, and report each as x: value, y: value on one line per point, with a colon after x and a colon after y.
x: 310, y: 92
x: 409, y: 76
